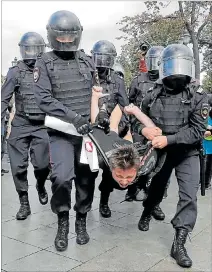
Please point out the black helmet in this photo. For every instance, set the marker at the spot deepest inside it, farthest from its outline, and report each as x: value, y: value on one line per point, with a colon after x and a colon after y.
x: 176, y: 59
x: 153, y: 57
x: 31, y: 44
x: 104, y: 53
x: 118, y: 68
x: 64, y: 31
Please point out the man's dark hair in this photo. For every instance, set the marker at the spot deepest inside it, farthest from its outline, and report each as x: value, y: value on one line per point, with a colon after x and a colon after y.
x: 124, y: 157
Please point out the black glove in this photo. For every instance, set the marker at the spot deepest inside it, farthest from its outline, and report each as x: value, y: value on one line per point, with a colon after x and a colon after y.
x: 82, y: 125
x: 104, y: 121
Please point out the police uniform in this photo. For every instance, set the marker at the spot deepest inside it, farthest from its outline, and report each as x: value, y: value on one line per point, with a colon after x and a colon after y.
x: 27, y: 128
x: 63, y: 88
x: 182, y: 117
x: 139, y: 87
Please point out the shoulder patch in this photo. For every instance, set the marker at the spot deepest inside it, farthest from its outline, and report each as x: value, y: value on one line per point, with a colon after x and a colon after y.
x: 204, y: 110
x: 36, y: 74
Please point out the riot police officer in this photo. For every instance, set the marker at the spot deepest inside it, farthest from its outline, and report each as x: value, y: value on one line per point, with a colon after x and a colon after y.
x: 138, y: 89
x: 181, y: 113
x: 144, y: 81
x: 63, y: 80
x: 104, y: 53
x: 27, y: 129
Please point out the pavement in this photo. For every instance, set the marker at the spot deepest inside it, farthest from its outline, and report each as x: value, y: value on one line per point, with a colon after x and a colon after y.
x: 115, y: 244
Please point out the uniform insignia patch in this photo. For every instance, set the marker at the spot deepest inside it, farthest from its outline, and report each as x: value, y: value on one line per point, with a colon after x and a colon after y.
x: 36, y: 74
x: 204, y: 110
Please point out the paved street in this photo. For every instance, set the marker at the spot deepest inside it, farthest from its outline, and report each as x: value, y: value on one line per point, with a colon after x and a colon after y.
x: 116, y: 244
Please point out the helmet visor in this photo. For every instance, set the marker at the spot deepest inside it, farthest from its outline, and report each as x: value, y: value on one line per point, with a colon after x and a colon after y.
x: 64, y: 40
x: 180, y: 66
x: 104, y: 60
x: 68, y: 37
x: 152, y: 63
x: 31, y: 52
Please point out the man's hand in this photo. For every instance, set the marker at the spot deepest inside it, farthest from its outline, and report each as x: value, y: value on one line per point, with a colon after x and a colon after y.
x: 82, y: 125
x: 151, y: 133
x: 104, y: 121
x: 160, y: 142
x: 97, y: 92
x: 131, y: 109
x: 207, y: 134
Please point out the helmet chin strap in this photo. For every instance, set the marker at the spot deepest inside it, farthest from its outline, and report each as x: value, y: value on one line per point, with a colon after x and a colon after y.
x: 176, y: 84
x: 153, y: 75
x: 30, y: 63
x: 65, y: 55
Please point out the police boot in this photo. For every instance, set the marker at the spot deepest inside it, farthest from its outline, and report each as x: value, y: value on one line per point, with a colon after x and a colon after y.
x: 61, y: 239
x: 103, y: 205
x: 178, y: 251
x: 143, y: 223
x: 24, y: 210
x: 80, y: 229
x: 157, y: 213
x: 42, y: 194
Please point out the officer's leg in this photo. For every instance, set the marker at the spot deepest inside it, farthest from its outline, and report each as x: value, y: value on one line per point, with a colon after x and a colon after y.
x: 155, y: 193
x: 62, y: 163
x: 39, y: 153
x: 105, y: 187
x: 18, y: 148
x: 187, y: 173
x: 85, y: 186
x: 208, y: 171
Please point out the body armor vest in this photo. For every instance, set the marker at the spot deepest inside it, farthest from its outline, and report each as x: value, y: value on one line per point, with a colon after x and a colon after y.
x: 71, y: 81
x: 110, y: 87
x: 170, y: 112
x: 143, y: 85
x: 25, y: 99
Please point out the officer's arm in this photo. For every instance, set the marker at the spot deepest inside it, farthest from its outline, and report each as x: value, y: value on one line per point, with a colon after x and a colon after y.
x: 145, y: 110
x: 44, y: 96
x: 122, y: 98
x: 132, y: 91
x: 7, y: 91
x: 197, y: 124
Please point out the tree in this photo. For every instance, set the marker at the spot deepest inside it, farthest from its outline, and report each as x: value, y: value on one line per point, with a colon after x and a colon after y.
x: 195, y: 17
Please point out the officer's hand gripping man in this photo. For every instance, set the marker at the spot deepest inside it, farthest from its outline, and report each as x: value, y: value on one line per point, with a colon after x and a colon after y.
x: 27, y: 129
x: 182, y: 116
x: 104, y: 53
x: 63, y: 83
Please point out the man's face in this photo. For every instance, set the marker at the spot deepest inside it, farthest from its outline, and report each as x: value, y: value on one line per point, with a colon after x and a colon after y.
x: 124, y: 177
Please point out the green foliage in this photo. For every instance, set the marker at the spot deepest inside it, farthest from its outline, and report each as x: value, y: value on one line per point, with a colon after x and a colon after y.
x: 207, y: 82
